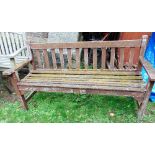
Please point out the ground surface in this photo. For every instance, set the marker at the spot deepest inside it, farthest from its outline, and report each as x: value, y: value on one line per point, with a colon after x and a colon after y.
x: 59, y: 107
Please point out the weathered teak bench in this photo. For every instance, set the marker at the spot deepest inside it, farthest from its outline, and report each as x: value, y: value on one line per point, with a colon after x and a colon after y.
x: 47, y: 75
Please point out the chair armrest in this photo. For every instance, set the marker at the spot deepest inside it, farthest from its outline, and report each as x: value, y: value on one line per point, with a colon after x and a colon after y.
x: 18, y: 66
x: 148, y: 67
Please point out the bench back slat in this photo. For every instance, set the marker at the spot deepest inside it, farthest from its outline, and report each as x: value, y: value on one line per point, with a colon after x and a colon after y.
x: 54, y: 59
x: 61, y: 58
x: 9, y: 42
x: 69, y: 58
x: 13, y: 41
x: 38, y: 58
x: 77, y: 58
x: 2, y: 46
x: 103, y: 60
x: 45, y: 53
x: 5, y: 43
x: 94, y: 58
x: 131, y: 56
x: 96, y: 54
x: 112, y: 58
x: 86, y: 58
x: 121, y: 61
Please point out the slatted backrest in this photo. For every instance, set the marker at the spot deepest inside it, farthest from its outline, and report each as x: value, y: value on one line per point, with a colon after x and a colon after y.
x: 11, y: 42
x: 68, y: 55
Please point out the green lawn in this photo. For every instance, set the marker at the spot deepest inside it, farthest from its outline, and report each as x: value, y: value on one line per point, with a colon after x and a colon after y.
x: 59, y: 107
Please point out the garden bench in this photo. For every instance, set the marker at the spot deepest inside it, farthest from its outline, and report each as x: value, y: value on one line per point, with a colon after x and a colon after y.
x: 107, y: 79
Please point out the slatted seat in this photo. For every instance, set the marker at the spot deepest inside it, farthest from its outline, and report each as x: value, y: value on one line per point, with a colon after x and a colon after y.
x: 97, y: 80
x: 113, y: 76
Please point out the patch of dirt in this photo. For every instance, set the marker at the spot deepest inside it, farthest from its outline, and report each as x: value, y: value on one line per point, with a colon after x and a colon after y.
x: 4, y: 95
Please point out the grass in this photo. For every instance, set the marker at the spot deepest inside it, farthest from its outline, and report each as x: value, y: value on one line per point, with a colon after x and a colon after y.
x: 59, y: 107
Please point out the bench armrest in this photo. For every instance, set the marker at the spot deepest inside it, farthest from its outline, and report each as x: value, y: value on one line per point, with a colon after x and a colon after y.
x: 148, y: 67
x: 18, y: 66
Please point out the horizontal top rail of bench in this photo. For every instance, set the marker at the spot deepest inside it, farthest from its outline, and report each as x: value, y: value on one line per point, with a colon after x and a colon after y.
x: 88, y: 44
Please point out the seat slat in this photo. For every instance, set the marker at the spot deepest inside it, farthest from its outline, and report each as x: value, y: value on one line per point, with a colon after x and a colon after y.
x: 80, y: 86
x: 90, y: 82
x: 86, y: 79
x: 87, y: 76
x: 81, y: 72
x: 131, y: 82
x: 97, y: 79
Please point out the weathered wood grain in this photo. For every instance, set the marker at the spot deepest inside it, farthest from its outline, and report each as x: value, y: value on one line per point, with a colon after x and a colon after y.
x: 87, y: 76
x: 97, y: 72
x: 103, y: 61
x: 112, y: 81
x: 112, y: 58
x: 86, y: 58
x: 143, y: 45
x: 88, y: 44
x: 46, y: 60
x: 48, y: 84
x: 61, y: 58
x: 77, y: 58
x: 54, y: 59
x: 69, y: 54
x: 132, y: 50
x: 121, y: 61
x: 95, y: 58
x: 37, y: 52
x: 93, y: 79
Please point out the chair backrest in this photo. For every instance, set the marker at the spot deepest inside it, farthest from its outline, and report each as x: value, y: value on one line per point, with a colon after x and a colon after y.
x: 67, y: 55
x: 11, y: 42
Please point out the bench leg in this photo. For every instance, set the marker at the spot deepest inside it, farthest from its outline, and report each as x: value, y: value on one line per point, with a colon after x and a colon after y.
x: 23, y: 102
x: 143, y: 105
x: 19, y: 93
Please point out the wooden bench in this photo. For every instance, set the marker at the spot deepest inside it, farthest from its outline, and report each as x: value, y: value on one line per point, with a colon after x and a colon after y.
x: 108, y: 79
